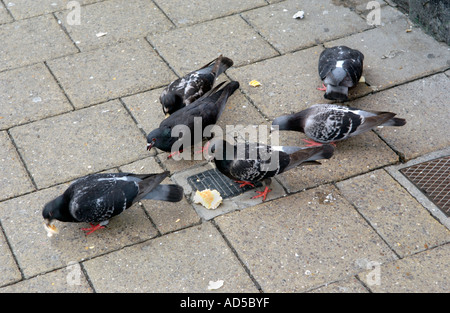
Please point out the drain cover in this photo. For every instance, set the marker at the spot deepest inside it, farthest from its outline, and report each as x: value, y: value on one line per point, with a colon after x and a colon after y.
x: 433, y: 179
x: 213, y: 179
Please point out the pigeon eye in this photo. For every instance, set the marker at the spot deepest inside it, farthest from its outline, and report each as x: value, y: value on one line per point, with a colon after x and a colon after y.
x: 153, y: 139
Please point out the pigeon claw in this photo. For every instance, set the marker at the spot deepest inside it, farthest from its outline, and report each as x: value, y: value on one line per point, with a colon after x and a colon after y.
x: 312, y: 143
x: 323, y: 88
x: 173, y: 153
x: 92, y: 229
x: 263, y: 193
x: 244, y: 183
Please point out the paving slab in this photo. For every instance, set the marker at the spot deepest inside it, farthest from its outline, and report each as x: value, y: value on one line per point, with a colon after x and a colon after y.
x: 14, y: 179
x: 393, y: 56
x: 28, y: 94
x: 22, y: 222
x: 118, y: 20
x: 423, y: 103
x: 424, y: 272
x: 290, y: 92
x: 351, y: 285
x: 184, y: 261
x: 229, y: 34
x: 22, y: 9
x: 277, y: 25
x: 97, y: 76
x: 4, y: 15
x: 310, y: 239
x: 8, y: 266
x: 64, y: 147
x: 353, y: 156
x: 185, y: 13
x: 31, y: 41
x: 402, y: 221
x: 167, y: 216
x: 67, y: 280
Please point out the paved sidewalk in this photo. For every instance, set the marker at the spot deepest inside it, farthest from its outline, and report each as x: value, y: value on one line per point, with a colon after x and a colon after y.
x: 78, y: 98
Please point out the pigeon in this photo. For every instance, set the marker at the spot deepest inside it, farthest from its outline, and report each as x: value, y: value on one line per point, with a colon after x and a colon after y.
x: 206, y: 109
x: 185, y: 90
x: 340, y: 68
x: 248, y: 163
x: 327, y: 123
x: 98, y: 197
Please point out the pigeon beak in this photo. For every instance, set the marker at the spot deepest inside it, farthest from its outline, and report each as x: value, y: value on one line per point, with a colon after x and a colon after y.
x: 51, y: 229
x: 167, y: 115
x: 149, y: 146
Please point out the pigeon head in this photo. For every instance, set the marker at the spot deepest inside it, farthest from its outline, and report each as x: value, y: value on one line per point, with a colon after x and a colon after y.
x: 57, y: 209
x: 171, y: 102
x: 293, y: 122
x: 160, y: 138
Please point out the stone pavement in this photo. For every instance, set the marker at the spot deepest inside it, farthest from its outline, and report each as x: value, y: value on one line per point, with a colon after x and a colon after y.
x: 78, y: 98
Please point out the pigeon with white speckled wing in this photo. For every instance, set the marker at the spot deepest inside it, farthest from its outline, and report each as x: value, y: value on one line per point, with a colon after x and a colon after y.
x: 253, y: 162
x: 340, y: 68
x: 327, y: 123
x: 192, y: 86
x: 97, y: 198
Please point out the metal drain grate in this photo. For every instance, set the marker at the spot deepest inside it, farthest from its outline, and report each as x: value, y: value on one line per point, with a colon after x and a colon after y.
x: 433, y: 179
x: 213, y: 179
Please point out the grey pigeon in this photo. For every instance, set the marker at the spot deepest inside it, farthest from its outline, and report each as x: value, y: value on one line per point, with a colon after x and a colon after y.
x: 185, y: 90
x: 97, y: 198
x: 327, y: 123
x: 207, y: 109
x: 249, y: 163
x: 340, y: 68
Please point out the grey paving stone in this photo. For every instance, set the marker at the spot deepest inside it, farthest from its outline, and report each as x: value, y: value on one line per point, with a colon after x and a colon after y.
x: 424, y: 104
x: 403, y: 222
x: 184, y: 261
x: 310, y: 239
x: 4, y: 15
x: 64, y: 147
x: 14, y: 179
x: 184, y: 13
x: 393, y: 56
x: 288, y: 83
x: 286, y: 34
x: 221, y: 36
x: 425, y: 272
x: 21, y: 219
x: 353, y: 156
x: 351, y: 285
x: 68, y: 280
x: 22, y: 9
x: 119, y: 19
x: 31, y: 41
x: 167, y: 216
x: 10, y: 271
x: 104, y: 74
x: 28, y: 94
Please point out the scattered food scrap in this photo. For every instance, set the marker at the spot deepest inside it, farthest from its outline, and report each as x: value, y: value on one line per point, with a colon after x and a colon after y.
x: 254, y: 83
x: 299, y: 15
x: 213, y: 285
x: 210, y: 199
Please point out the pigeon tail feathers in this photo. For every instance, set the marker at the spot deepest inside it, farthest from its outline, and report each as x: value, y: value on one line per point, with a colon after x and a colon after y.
x: 149, y: 183
x: 170, y: 193
x: 394, y: 122
x: 310, y: 154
